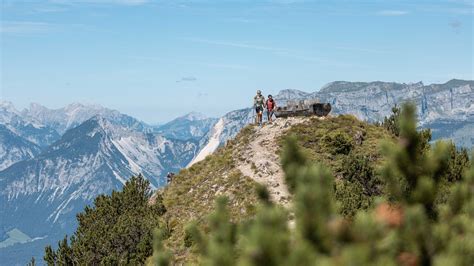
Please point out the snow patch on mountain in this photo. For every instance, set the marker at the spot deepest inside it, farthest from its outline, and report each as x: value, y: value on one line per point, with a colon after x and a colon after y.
x: 194, y: 116
x: 72, y: 115
x: 212, y: 144
x: 30, y: 130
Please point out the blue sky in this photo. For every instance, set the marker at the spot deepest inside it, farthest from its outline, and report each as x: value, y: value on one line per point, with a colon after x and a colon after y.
x: 157, y: 60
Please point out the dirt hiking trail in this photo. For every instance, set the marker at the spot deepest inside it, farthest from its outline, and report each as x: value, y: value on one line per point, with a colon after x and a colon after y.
x: 262, y: 162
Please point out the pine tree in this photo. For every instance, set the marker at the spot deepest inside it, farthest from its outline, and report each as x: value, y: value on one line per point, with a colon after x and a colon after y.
x: 49, y: 256
x: 391, y: 123
x: 265, y: 240
x: 357, y: 169
x: 292, y: 160
x: 218, y: 246
x: 64, y: 253
x: 411, y: 174
x: 458, y: 162
x: 314, y: 207
x: 118, y: 229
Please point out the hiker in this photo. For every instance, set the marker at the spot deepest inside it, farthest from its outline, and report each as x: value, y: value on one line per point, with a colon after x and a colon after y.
x: 169, y: 177
x: 259, y: 104
x: 271, y: 105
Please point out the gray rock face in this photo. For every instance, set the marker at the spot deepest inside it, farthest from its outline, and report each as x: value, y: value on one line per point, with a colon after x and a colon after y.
x: 373, y: 101
x: 14, y: 148
x: 54, y: 162
x: 93, y: 158
x: 448, y: 109
x: 30, y: 130
x: 42, y: 195
x: 75, y: 114
x: 42, y: 126
x: 191, y: 126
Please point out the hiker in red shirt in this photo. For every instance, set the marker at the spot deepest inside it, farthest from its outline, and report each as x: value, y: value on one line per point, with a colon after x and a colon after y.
x: 271, y: 105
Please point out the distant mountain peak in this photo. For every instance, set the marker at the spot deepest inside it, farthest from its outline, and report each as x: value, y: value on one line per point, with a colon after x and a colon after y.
x: 332, y: 84
x: 72, y: 115
x: 458, y: 82
x: 34, y: 105
x: 77, y: 105
x: 343, y: 85
x: 289, y: 94
x: 194, y: 116
x: 8, y: 106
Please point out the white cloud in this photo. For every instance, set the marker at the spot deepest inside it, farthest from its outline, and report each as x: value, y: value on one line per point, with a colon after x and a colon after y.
x: 227, y: 66
x: 236, y: 44
x: 392, y: 13
x: 281, y: 52
x: 51, y: 9
x: 37, y: 27
x: 116, y: 2
x: 358, y: 49
x: 24, y: 27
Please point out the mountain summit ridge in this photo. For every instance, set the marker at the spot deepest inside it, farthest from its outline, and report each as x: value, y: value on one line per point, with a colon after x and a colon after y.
x: 447, y: 108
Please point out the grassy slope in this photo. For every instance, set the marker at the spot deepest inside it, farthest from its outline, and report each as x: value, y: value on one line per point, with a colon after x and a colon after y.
x: 311, y: 136
x: 193, y: 191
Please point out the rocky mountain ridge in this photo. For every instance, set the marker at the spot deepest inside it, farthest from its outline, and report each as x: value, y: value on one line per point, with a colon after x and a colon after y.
x: 448, y: 109
x: 14, y: 148
x: 191, y: 126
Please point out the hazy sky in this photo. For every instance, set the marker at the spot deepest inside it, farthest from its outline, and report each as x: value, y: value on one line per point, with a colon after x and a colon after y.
x: 156, y: 60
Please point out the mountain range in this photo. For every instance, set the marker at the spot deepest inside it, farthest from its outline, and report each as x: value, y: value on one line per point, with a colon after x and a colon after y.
x: 44, y: 186
x: 447, y: 109
x: 53, y: 162
x: 191, y: 126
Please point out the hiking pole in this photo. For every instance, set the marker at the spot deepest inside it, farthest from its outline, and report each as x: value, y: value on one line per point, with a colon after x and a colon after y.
x: 253, y: 116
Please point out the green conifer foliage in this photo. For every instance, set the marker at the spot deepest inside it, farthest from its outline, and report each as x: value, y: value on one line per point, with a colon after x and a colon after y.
x: 265, y: 240
x: 217, y: 247
x: 49, y: 256
x: 221, y: 239
x: 64, y: 253
x: 391, y: 122
x: 458, y: 162
x: 292, y: 160
x: 161, y: 256
x: 411, y: 173
x: 117, y: 230
x: 339, y: 142
x: 357, y: 169
x: 314, y: 207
